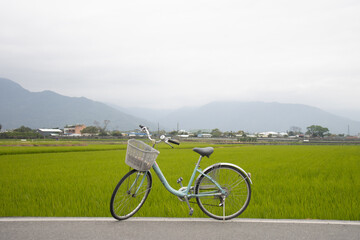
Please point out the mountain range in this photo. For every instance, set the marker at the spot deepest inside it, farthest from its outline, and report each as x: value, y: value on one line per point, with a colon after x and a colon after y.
x: 252, y: 117
x: 48, y: 109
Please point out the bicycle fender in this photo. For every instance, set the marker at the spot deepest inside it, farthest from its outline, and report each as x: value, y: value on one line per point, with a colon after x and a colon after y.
x: 228, y: 164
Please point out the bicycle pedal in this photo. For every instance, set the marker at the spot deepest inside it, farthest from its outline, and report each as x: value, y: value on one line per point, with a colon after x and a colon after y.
x: 190, y: 208
x: 179, y: 181
x: 191, y: 211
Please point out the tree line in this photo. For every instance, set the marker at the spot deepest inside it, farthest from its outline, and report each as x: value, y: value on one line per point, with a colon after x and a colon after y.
x: 26, y: 132
x: 20, y: 133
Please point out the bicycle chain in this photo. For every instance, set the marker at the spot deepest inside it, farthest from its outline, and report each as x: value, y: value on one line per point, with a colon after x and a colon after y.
x: 206, y: 204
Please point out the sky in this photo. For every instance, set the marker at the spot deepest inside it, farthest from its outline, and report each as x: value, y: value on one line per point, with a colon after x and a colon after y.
x: 170, y: 54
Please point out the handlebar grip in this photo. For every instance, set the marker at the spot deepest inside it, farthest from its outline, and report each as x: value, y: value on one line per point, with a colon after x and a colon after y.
x: 174, y: 141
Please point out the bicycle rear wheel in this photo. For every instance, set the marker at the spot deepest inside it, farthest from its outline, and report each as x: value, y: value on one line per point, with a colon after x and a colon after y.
x: 236, y: 185
x: 130, y: 194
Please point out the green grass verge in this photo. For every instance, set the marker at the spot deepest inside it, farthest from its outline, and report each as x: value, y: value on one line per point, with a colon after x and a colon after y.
x: 295, y: 182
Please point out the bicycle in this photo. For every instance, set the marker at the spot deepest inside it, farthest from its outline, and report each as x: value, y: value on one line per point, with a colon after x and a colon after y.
x: 222, y: 190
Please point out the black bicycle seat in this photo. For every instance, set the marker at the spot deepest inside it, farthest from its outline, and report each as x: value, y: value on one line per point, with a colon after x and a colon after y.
x: 204, y: 152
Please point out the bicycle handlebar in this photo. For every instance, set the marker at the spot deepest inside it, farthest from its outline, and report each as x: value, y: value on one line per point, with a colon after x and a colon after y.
x: 174, y: 141
x: 162, y: 138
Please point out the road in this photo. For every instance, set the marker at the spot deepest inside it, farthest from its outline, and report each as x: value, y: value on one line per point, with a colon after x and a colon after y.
x: 175, y: 228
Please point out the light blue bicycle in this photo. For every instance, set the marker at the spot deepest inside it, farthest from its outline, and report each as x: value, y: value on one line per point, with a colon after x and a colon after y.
x: 222, y: 190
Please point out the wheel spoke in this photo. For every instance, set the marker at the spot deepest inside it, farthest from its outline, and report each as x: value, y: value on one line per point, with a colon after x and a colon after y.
x: 124, y: 202
x: 237, y: 183
x: 237, y: 190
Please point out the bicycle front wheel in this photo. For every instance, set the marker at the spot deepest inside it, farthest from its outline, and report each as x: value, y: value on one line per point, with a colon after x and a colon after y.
x: 236, y: 185
x: 130, y: 194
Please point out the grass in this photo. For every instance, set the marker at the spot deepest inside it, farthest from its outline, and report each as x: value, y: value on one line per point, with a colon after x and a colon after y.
x: 295, y: 182
x: 30, y: 147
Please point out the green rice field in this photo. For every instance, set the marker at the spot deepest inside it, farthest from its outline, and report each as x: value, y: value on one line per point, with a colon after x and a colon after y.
x: 77, y: 179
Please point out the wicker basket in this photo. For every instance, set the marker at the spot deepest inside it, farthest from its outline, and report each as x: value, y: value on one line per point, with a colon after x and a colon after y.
x: 140, y: 156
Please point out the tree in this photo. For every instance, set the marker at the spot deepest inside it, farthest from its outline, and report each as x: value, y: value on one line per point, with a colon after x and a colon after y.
x: 216, y: 132
x: 230, y: 134
x: 173, y: 133
x: 106, y: 123
x: 97, y: 124
x: 241, y: 132
x: 116, y: 133
x: 90, y: 130
x: 102, y: 130
x: 294, y: 131
x: 317, y: 131
x: 21, y: 132
x: 197, y: 132
x: 23, y: 129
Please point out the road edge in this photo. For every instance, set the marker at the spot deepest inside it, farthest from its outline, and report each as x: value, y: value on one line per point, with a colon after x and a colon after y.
x: 153, y: 219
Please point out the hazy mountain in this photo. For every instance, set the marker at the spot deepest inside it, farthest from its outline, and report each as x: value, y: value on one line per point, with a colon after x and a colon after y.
x: 145, y: 113
x: 347, y: 113
x: 247, y: 116
x: 47, y: 109
x: 157, y: 115
x: 257, y: 117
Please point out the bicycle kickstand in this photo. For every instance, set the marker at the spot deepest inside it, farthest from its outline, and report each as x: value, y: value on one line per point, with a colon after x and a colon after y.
x: 190, y: 208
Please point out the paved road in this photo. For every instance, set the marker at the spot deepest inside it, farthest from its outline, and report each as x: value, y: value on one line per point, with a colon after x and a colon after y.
x: 174, y: 228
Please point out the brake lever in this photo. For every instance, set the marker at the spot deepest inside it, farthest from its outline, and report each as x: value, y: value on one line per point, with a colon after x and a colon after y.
x: 168, y: 143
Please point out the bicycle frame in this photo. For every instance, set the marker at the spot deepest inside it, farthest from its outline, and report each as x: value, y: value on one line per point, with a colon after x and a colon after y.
x: 187, y: 193
x: 181, y: 193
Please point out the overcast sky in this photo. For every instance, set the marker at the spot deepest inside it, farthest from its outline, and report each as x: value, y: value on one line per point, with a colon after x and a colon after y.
x: 169, y: 54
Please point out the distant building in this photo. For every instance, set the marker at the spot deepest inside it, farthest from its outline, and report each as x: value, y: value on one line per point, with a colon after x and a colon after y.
x: 74, y: 129
x: 137, y: 134
x: 49, y: 132
x: 204, y: 135
x: 183, y: 135
x: 268, y: 134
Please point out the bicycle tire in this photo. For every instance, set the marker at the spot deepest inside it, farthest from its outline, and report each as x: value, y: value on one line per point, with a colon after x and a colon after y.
x: 237, y: 186
x: 128, y: 197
